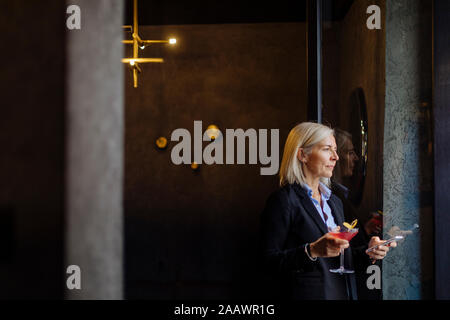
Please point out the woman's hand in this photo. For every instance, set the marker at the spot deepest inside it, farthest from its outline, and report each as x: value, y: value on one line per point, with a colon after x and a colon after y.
x: 380, y: 252
x: 327, y: 246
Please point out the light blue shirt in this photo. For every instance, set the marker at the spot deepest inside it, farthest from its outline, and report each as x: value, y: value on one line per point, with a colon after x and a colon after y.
x: 325, y: 194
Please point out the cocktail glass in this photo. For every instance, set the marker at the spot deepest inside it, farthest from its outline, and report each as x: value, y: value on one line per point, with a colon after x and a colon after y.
x: 346, y: 235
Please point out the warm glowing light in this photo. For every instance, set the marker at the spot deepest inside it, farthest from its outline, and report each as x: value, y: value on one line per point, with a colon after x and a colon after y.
x: 172, y: 40
x: 161, y: 142
x: 213, y: 132
x: 131, y: 62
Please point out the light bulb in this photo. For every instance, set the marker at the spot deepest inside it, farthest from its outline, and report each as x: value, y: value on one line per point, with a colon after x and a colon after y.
x: 131, y: 62
x: 172, y: 40
x: 213, y: 132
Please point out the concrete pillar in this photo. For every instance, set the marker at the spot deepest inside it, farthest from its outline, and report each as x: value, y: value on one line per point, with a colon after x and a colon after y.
x: 94, y: 153
x: 407, y: 186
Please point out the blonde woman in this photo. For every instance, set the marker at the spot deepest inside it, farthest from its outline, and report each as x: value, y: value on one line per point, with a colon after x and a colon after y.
x: 296, y: 243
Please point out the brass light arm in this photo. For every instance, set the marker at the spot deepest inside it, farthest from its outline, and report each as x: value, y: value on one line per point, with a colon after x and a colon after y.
x: 155, y: 41
x: 131, y: 61
x: 145, y: 41
x: 137, y: 43
x: 136, y: 66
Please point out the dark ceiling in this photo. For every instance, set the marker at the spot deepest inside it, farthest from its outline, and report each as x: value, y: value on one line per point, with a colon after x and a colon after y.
x: 168, y: 12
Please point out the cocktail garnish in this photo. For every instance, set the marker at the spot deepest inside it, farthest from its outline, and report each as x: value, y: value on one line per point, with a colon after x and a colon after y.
x: 352, y: 225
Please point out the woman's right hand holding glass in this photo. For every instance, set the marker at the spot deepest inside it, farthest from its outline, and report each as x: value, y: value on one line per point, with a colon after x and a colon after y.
x: 328, y: 246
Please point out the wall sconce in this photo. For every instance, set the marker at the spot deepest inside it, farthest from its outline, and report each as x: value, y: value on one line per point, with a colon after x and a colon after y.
x: 137, y: 42
x: 194, y: 166
x: 213, y: 132
x: 161, y: 142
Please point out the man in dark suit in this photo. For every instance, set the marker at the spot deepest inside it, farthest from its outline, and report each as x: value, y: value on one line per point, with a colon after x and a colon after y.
x: 297, y: 247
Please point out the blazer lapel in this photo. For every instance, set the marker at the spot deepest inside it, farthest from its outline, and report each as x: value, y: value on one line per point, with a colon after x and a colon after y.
x: 338, y: 216
x: 310, y: 208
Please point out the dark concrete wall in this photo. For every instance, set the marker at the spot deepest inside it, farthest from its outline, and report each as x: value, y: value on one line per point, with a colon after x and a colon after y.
x: 194, y: 234
x: 32, y: 149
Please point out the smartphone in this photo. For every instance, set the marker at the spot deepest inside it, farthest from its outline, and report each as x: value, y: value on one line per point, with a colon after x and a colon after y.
x: 396, y: 238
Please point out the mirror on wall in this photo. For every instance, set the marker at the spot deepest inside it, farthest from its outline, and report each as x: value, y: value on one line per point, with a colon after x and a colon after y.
x: 355, y: 150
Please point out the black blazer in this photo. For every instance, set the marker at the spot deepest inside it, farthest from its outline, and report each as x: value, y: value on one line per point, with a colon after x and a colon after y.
x: 288, y: 222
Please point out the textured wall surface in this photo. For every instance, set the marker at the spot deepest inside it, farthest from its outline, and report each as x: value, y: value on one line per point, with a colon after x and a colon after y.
x: 94, y: 166
x: 194, y: 234
x: 407, y: 271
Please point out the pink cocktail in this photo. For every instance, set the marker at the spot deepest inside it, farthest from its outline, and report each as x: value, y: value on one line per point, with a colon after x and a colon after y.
x: 345, y: 235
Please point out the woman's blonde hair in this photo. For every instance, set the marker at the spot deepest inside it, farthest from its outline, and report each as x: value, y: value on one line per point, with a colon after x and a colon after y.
x: 304, y: 135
